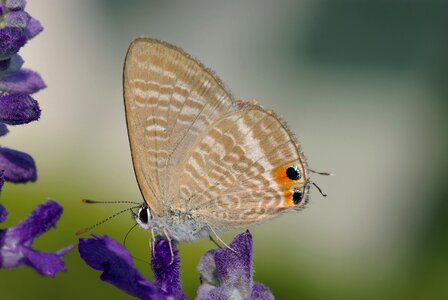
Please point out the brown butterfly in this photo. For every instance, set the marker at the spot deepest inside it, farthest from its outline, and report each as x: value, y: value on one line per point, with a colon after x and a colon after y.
x: 204, y: 161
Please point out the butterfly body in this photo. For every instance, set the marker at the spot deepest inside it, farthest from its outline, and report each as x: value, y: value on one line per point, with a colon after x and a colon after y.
x: 204, y: 161
x: 179, y: 226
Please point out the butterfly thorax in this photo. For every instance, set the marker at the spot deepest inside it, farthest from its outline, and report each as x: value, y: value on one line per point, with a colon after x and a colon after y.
x: 179, y: 226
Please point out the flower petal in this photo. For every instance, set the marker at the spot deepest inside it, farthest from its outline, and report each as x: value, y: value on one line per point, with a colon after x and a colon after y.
x: 18, y: 109
x: 236, y: 270
x: 3, y: 129
x: 3, y: 212
x: 224, y: 293
x: 10, y: 65
x: 47, y: 264
x: 18, y: 19
x: 166, y: 268
x: 99, y: 250
x: 33, y: 28
x: 15, y: 4
x: 107, y: 255
x: 207, y: 268
x: 65, y: 250
x: 18, y: 166
x: 204, y: 290
x: 16, y: 242
x: 260, y: 292
x: 41, y: 220
x: 11, y: 40
x: 4, y: 64
x: 227, y: 275
x: 24, y: 81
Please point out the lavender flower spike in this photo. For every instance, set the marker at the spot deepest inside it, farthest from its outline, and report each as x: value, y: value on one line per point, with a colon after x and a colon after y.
x: 16, y: 242
x: 166, y: 269
x: 17, y: 107
x: 227, y: 275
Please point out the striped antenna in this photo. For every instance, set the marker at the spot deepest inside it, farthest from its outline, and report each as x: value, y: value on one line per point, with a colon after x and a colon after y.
x: 88, y: 201
x: 85, y: 230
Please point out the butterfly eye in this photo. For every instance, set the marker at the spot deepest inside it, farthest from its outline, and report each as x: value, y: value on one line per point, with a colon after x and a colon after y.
x: 144, y: 215
x: 293, y: 173
x: 297, y: 197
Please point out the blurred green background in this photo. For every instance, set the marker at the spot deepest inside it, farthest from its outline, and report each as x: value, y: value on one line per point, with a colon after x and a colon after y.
x: 363, y: 84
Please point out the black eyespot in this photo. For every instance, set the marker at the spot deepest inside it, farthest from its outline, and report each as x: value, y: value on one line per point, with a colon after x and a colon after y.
x: 143, y: 215
x: 293, y: 173
x: 297, y: 197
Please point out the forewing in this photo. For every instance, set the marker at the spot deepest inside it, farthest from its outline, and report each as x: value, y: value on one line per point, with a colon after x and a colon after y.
x: 170, y: 100
x: 236, y: 173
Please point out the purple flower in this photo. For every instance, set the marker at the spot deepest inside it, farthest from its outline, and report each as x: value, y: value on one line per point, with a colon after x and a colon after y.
x: 17, y: 166
x: 17, y: 107
x: 23, y: 81
x: 16, y: 242
x: 105, y: 254
x: 227, y: 275
x: 224, y: 274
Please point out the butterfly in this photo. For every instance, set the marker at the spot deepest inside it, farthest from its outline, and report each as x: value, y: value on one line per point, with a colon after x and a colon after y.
x: 204, y: 162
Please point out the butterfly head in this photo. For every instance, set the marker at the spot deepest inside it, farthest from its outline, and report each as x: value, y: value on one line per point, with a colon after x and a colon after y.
x: 144, y: 216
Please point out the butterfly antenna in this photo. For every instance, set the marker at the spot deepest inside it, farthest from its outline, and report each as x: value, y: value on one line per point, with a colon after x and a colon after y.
x: 82, y: 231
x: 321, y: 173
x: 124, y: 245
x: 88, y: 201
x: 127, y: 233
x: 319, y: 189
x: 141, y: 260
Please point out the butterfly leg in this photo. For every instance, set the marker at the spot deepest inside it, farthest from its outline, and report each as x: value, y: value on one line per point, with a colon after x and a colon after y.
x: 152, y: 242
x: 224, y: 243
x: 214, y: 241
x: 170, y: 244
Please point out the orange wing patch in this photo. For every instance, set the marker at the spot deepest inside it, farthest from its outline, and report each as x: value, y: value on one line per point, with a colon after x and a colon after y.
x: 281, y: 177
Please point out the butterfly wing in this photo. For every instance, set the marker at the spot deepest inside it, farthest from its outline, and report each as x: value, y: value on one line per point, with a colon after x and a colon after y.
x: 236, y: 174
x: 170, y: 100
